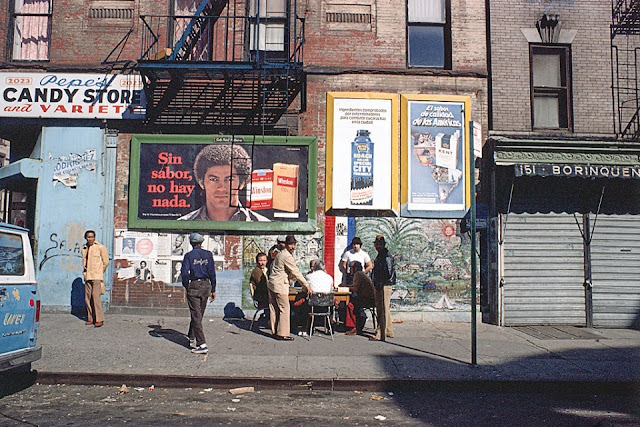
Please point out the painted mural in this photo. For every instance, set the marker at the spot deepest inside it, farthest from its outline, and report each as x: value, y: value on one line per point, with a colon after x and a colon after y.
x: 432, y: 264
x: 432, y: 261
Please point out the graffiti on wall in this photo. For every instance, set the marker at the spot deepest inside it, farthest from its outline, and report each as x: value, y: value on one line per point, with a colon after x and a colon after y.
x: 64, y: 247
x: 432, y: 261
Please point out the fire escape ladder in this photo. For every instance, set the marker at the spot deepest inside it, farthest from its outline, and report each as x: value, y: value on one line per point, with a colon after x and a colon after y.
x: 205, y: 68
x: 204, y: 17
x: 244, y: 179
x: 173, y: 88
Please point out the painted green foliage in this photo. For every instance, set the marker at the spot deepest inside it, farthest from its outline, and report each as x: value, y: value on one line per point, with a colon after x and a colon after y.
x: 431, y: 260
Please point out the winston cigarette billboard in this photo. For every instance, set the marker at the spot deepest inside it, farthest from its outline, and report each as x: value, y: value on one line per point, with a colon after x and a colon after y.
x: 223, y: 182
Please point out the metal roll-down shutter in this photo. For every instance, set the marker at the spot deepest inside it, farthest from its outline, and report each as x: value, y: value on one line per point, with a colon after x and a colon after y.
x: 543, y: 270
x: 615, y: 260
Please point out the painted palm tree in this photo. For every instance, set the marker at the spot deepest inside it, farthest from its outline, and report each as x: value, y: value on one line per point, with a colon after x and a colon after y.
x: 403, y: 235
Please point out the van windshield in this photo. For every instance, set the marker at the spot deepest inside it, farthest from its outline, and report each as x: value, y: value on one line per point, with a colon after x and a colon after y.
x: 11, y: 255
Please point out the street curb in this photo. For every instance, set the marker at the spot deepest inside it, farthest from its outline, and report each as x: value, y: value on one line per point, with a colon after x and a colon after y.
x: 344, y: 384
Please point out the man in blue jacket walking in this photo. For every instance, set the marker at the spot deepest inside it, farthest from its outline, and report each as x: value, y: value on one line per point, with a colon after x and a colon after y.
x: 199, y: 278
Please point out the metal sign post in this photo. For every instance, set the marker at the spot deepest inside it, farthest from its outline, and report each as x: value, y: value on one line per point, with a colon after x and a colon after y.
x: 472, y: 169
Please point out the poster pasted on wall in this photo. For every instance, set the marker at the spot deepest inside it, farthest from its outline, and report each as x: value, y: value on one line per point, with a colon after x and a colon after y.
x: 148, y: 267
x: 362, y: 163
x: 243, y: 183
x: 434, y: 156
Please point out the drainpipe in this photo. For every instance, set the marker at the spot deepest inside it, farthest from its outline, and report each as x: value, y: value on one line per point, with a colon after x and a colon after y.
x: 107, y: 209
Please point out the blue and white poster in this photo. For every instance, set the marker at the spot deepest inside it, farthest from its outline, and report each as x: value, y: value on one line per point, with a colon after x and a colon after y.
x: 435, y: 156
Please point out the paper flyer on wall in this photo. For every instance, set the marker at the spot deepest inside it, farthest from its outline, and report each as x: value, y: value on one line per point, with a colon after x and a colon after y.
x: 162, y: 270
x: 164, y: 245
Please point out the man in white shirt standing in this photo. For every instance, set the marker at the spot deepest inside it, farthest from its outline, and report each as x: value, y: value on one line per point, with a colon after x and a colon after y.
x: 351, y: 256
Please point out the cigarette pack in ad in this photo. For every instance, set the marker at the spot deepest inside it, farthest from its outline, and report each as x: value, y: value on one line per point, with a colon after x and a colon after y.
x: 261, y: 189
x: 447, y: 150
x: 285, y: 187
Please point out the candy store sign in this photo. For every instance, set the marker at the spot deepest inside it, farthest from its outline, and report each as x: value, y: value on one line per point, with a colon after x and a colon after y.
x: 63, y: 95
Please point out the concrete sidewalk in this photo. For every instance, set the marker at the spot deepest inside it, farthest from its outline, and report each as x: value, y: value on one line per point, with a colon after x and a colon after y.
x: 153, y: 348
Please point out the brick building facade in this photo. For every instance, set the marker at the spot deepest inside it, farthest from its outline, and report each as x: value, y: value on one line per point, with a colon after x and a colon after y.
x: 357, y: 46
x: 559, y: 166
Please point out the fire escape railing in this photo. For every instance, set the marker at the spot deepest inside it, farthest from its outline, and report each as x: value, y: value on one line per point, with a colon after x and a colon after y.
x: 625, y: 62
x: 625, y: 17
x: 222, y: 38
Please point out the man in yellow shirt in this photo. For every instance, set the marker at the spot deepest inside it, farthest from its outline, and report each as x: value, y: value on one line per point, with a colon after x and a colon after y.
x: 95, y: 261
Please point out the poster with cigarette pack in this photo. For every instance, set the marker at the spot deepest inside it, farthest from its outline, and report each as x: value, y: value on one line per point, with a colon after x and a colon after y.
x: 434, y: 156
x: 247, y: 183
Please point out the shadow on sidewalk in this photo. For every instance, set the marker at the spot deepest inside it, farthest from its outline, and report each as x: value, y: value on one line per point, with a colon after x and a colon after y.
x: 245, y: 325
x: 172, y: 335
x: 441, y: 356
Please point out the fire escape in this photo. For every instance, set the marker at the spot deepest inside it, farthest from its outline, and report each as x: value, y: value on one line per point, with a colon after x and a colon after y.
x: 231, y: 65
x: 625, y: 43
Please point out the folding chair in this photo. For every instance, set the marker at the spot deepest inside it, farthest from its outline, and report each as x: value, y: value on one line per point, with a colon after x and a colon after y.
x: 372, y: 310
x: 258, y: 304
x: 321, y: 305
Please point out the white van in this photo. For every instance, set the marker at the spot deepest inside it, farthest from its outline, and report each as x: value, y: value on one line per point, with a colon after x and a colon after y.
x: 19, y: 301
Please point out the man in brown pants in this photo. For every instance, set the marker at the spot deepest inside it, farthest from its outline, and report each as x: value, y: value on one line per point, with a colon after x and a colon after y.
x: 95, y: 261
x: 279, y: 310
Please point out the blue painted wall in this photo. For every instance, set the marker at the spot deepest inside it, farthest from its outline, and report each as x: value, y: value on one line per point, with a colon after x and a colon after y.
x: 64, y: 213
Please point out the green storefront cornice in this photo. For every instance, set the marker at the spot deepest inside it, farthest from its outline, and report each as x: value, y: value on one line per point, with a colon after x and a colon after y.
x: 503, y: 156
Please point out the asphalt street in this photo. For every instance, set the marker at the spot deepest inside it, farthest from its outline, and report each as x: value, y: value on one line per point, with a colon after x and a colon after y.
x: 55, y: 405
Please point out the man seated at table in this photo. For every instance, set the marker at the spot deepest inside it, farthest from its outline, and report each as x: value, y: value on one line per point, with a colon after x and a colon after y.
x: 320, y: 282
x: 362, y: 295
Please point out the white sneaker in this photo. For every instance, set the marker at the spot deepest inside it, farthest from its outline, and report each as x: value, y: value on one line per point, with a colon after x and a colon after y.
x: 203, y: 349
x: 192, y: 343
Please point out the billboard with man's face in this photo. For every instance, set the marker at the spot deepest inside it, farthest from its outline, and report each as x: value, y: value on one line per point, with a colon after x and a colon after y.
x: 223, y: 182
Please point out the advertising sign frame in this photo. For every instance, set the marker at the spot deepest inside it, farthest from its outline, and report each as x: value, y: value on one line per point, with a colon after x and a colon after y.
x: 174, y: 172
x: 434, y: 153
x: 362, y: 154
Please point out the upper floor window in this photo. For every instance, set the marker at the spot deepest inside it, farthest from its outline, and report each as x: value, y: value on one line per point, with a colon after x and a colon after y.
x: 429, y: 33
x: 268, y: 25
x: 31, y: 22
x: 550, y: 87
x: 183, y: 10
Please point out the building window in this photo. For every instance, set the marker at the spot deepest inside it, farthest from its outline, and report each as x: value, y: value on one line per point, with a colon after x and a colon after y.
x: 429, y: 33
x: 31, y: 23
x: 550, y: 87
x: 184, y: 10
x: 268, y: 19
